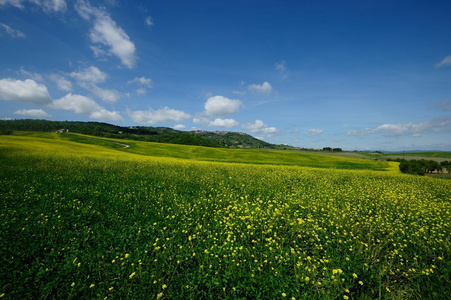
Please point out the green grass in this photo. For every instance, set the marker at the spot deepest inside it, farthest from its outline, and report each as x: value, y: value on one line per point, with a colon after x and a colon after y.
x: 87, y: 220
x: 423, y: 154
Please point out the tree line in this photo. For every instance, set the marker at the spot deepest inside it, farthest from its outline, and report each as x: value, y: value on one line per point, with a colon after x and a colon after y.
x: 423, y: 166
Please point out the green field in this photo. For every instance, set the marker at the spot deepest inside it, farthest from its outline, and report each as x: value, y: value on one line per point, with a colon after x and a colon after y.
x: 86, y: 217
x: 423, y: 154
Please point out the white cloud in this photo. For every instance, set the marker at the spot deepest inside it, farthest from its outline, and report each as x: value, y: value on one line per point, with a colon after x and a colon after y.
x: 179, y: 127
x: 55, y: 5
x: 14, y: 33
x: 15, y: 3
x: 46, y: 5
x: 61, y: 83
x: 409, y: 129
x: 36, y: 113
x: 147, y: 82
x: 218, y: 122
x: 219, y: 106
x: 86, y: 106
x: 282, y: 68
x: 106, y: 115
x: 106, y: 33
x: 312, y: 132
x: 264, y: 88
x: 34, y: 76
x: 91, y: 75
x: 259, y: 127
x: 241, y: 93
x: 149, y: 21
x: 99, y: 52
x: 446, y: 62
x: 162, y: 115
x: 51, y: 5
x: 89, y: 78
x: 141, y: 91
x: 143, y: 82
x: 24, y: 91
x: 227, y: 123
x: 106, y: 95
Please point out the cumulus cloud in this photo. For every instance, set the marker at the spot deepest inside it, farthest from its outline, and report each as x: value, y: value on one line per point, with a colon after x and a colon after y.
x: 411, y: 129
x: 281, y: 67
x: 446, y: 62
x: 106, y: 35
x: 162, y: 115
x: 28, y: 91
x: 218, y: 122
x: 89, y: 78
x: 264, y: 88
x: 227, y: 123
x: 179, y: 127
x: 259, y: 127
x: 13, y: 33
x: 61, y: 83
x: 36, y: 113
x: 313, y: 132
x: 219, y: 106
x: 86, y: 106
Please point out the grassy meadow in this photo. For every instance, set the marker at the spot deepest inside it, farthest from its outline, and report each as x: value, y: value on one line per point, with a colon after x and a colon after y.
x: 85, y: 217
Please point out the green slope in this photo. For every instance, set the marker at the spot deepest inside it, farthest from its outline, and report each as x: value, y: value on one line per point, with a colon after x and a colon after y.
x: 118, y: 147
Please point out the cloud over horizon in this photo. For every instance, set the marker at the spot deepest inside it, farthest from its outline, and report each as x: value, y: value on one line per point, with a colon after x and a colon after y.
x: 313, y: 132
x: 219, y: 106
x: 413, y: 129
x: 152, y: 117
x: 35, y: 113
x: 86, y: 106
x: 217, y: 122
x: 27, y: 90
x: 259, y: 127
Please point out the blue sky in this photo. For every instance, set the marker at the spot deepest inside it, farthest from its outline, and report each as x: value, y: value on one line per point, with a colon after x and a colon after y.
x: 350, y: 74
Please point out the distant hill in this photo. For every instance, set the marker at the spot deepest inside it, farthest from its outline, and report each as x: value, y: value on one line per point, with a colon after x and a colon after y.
x: 227, y: 139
